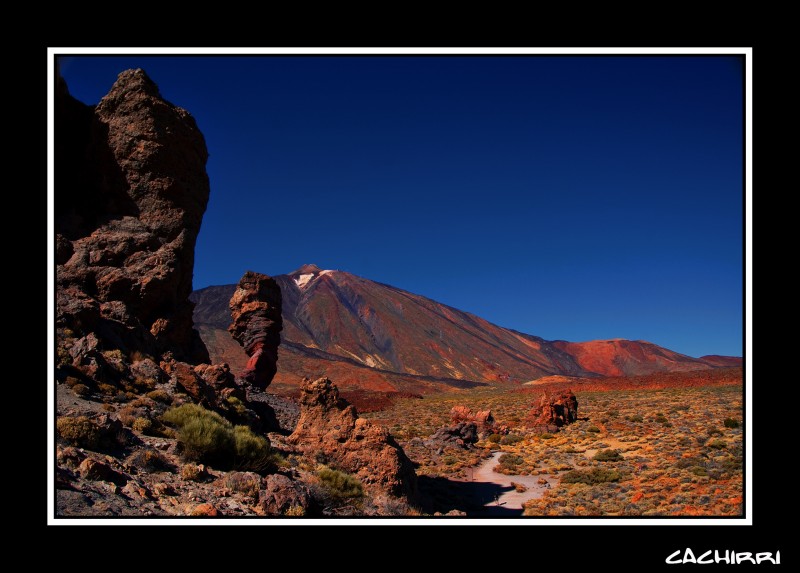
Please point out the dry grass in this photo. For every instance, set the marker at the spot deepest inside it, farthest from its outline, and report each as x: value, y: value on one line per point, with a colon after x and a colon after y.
x: 673, y: 452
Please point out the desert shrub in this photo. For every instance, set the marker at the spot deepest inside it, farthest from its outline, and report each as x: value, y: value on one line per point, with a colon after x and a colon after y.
x: 246, y: 483
x: 79, y: 431
x: 731, y: 423
x: 340, y: 485
x: 253, y: 452
x: 546, y: 436
x: 81, y: 390
x: 208, y: 437
x: 591, y: 476
x: 63, y: 357
x: 520, y: 488
x: 699, y: 471
x: 593, y: 429
x: 143, y: 425
x: 191, y: 472
x: 127, y: 416
x: 107, y: 389
x: 661, y: 419
x: 160, y: 396
x: 237, y: 405
x: 511, y: 439
x: 635, y: 418
x: 115, y: 354
x: 510, y: 461
x: 717, y: 444
x: 151, y: 461
x: 137, y: 355
x: 295, y: 511
x: 607, y: 456
x: 449, y: 460
x: 204, y: 435
x: 613, y: 413
x: 495, y: 438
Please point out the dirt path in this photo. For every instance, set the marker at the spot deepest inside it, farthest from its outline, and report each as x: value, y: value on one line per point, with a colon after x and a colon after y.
x: 502, y: 498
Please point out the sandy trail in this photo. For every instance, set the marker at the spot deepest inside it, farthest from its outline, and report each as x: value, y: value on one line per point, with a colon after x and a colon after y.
x: 503, y: 498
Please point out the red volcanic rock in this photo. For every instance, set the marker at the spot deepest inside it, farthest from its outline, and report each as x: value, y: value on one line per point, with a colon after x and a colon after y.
x: 483, y: 419
x: 256, y: 310
x: 131, y: 190
x: 280, y: 494
x: 553, y: 412
x: 330, y: 428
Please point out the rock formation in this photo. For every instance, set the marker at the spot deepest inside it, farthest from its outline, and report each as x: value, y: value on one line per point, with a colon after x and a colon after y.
x: 131, y: 192
x: 483, y: 419
x: 554, y: 412
x: 330, y: 430
x: 256, y: 311
x: 462, y: 435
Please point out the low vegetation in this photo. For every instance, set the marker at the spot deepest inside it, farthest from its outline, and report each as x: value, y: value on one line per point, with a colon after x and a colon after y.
x: 340, y: 486
x: 643, y: 451
x: 207, y: 437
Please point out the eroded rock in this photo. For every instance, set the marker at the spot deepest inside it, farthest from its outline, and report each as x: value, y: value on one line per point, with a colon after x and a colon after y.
x: 256, y: 311
x: 329, y: 429
x: 554, y: 412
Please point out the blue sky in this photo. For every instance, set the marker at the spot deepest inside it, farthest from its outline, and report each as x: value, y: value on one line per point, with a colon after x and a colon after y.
x: 572, y: 198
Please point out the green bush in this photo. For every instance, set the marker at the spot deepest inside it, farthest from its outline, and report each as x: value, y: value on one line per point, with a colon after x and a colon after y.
x: 717, y: 444
x: 495, y: 438
x: 607, y: 456
x: 340, y: 485
x: 635, y: 418
x: 591, y: 476
x: 731, y: 423
x: 511, y: 439
x: 593, y: 429
x: 209, y: 438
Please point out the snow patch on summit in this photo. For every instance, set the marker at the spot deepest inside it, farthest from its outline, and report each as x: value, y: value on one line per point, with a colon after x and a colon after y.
x: 303, y: 280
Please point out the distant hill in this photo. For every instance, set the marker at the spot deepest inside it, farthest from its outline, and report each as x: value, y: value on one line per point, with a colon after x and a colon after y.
x: 367, y: 335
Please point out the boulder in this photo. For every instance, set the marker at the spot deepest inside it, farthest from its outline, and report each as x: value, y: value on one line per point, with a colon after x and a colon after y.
x: 462, y: 435
x: 554, y: 412
x: 280, y: 494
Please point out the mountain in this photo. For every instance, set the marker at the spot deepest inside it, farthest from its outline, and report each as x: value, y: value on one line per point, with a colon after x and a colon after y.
x: 369, y: 336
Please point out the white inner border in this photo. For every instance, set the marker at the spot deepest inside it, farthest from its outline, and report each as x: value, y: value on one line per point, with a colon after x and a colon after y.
x: 748, y: 493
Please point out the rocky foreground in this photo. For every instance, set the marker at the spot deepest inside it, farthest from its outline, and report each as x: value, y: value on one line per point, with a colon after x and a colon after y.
x: 146, y: 425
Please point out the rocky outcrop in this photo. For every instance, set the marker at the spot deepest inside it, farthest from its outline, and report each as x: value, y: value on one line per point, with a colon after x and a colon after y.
x: 554, y: 412
x: 329, y: 430
x: 462, y: 435
x: 131, y: 190
x: 483, y: 419
x: 256, y: 312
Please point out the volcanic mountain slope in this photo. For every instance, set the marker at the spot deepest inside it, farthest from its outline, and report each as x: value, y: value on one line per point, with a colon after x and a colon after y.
x: 369, y: 335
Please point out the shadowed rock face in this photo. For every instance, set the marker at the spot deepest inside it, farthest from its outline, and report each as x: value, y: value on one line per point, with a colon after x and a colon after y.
x: 256, y: 312
x: 330, y: 428
x: 554, y: 412
x: 131, y: 193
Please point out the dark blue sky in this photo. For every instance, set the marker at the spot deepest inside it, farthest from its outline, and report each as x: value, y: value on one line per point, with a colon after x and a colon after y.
x: 573, y: 198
